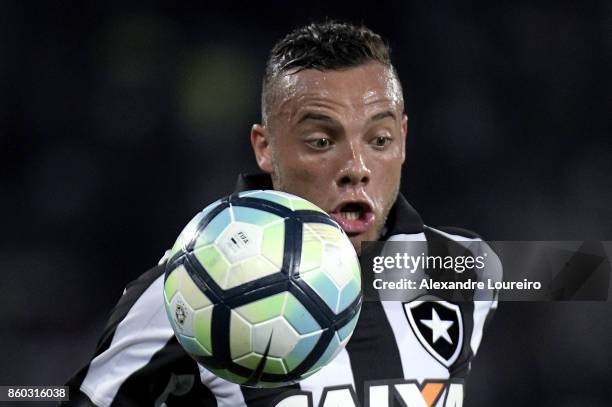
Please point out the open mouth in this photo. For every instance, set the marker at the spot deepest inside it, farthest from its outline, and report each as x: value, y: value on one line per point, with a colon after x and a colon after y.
x: 353, y: 217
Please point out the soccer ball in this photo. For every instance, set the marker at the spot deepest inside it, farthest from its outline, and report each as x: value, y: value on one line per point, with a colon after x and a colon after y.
x: 263, y: 288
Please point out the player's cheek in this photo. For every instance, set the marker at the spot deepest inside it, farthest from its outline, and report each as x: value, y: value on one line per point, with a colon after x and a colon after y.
x: 307, y: 178
x: 385, y: 183
x: 317, y: 169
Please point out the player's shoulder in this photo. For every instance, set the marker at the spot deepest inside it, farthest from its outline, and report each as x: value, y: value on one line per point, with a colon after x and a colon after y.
x: 473, y: 242
x: 140, y: 289
x: 406, y: 224
x: 465, y: 237
x: 142, y: 282
x: 452, y: 233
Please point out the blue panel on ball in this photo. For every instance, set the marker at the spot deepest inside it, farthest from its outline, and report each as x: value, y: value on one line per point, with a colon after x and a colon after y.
x: 210, y: 207
x: 301, y: 350
x: 299, y: 317
x: 254, y: 216
x: 329, y: 353
x: 214, y: 228
x: 323, y: 286
x: 347, y: 329
x: 349, y: 293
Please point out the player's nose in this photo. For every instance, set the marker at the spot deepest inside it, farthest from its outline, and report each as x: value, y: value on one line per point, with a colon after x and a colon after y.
x: 355, y: 169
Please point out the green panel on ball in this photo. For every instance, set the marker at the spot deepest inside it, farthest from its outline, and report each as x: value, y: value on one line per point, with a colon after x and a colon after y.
x: 273, y: 243
x: 172, y: 283
x: 249, y: 270
x: 192, y: 346
x: 272, y: 365
x: 299, y: 317
x: 240, y: 336
x: 327, y: 233
x: 275, y: 366
x: 263, y: 309
x: 214, y: 262
x: 320, y: 282
x: 312, y: 252
x: 202, y: 324
x: 191, y: 292
x: 249, y: 361
x: 303, y: 204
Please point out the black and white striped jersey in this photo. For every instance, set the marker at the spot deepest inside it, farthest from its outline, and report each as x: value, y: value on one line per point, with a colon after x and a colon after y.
x: 414, y: 354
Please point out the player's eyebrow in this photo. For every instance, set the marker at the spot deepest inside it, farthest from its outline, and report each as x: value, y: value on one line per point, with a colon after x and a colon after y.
x: 320, y: 117
x: 382, y: 115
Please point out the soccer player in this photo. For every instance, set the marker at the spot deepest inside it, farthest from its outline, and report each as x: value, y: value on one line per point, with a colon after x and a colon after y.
x: 333, y: 131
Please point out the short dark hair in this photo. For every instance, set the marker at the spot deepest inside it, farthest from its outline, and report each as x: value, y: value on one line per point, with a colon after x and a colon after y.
x: 323, y: 46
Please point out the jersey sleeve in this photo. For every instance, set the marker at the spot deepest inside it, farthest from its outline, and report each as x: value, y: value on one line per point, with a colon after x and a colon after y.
x: 138, y: 361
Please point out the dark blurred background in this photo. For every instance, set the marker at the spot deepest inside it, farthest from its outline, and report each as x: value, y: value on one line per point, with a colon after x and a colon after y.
x: 120, y: 120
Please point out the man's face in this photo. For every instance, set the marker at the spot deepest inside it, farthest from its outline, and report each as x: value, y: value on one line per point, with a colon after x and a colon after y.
x: 337, y: 139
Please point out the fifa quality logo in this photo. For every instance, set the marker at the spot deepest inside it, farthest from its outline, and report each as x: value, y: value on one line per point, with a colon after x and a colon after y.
x: 237, y: 241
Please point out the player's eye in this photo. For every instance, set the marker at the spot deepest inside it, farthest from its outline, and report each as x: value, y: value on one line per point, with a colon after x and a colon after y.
x: 320, y: 143
x: 381, y: 141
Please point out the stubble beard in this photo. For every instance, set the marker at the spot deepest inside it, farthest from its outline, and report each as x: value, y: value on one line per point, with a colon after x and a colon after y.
x: 277, y: 181
x: 380, y: 227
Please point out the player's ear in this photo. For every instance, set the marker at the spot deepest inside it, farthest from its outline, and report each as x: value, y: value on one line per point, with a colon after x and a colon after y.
x: 261, y: 143
x: 404, y: 135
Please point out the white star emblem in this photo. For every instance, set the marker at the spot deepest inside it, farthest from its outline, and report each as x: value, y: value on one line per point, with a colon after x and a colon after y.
x: 439, y: 328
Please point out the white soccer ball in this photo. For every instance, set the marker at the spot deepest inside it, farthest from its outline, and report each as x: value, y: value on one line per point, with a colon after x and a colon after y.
x: 263, y: 288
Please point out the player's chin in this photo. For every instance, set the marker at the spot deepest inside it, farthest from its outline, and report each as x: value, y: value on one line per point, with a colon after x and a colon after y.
x: 356, y: 239
x: 371, y: 234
